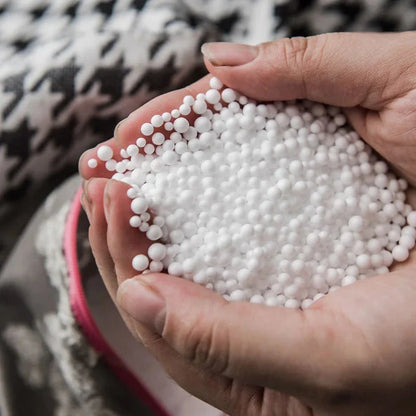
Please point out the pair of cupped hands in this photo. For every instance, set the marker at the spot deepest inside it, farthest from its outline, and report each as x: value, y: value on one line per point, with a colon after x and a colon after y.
x: 353, y: 352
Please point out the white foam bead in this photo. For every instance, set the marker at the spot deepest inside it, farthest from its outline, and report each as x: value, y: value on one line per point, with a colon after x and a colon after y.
x: 157, y: 251
x: 156, y: 120
x: 199, y: 107
x: 166, y: 116
x: 207, y: 139
x: 212, y: 96
x: 181, y: 148
x: 292, y: 304
x: 333, y: 288
x: 348, y: 280
x: 237, y: 295
x: 158, y: 138
x: 228, y: 95
x: 356, y: 223
x: 185, y: 109
x: 291, y: 291
x: 234, y: 107
x: 156, y: 266
x: 243, y: 275
x: 400, y: 253
x: 411, y: 219
x: 188, y: 99
x: 147, y: 129
x: 215, y: 83
x: 306, y: 303
x: 387, y: 258
x: 242, y: 99
x: 140, y: 262
x: 377, y: 260
x: 141, y: 142
x: 132, y: 192
x: 176, y: 236
x: 111, y: 165
x: 169, y: 157
x: 92, y: 163
x: 154, y: 232
x: 135, y: 221
x: 132, y: 150
x: 257, y: 299
x: 317, y: 297
x: 374, y: 245
x: 145, y: 216
x: 168, y: 145
x: 332, y: 277
x: 394, y: 235
x: 194, y: 145
x: 104, y: 153
x: 149, y: 148
x: 118, y: 177
x: 181, y: 124
x: 408, y: 241
x: 121, y: 166
x: 409, y: 230
x: 298, y: 266
x: 274, y: 301
x: 139, y: 205
x: 175, y: 269
x: 202, y: 124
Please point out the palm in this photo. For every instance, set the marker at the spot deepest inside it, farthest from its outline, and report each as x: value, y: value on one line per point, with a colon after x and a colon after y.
x: 354, y: 321
x: 390, y: 131
x: 359, y: 317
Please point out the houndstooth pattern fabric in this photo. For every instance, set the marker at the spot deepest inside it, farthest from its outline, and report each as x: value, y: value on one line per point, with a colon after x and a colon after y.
x: 71, y: 69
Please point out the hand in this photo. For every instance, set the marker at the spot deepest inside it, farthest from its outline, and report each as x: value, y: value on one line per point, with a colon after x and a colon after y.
x: 354, y: 351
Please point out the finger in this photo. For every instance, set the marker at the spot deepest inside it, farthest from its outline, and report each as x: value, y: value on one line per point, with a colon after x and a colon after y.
x: 284, y: 350
x: 94, y: 191
x: 221, y: 392
x: 124, y: 241
x: 342, y: 69
x: 94, y: 194
x: 128, y: 130
x: 100, y: 171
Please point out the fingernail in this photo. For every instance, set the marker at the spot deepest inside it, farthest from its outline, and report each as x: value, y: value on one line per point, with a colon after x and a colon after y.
x: 118, y: 127
x: 137, y: 297
x: 229, y: 54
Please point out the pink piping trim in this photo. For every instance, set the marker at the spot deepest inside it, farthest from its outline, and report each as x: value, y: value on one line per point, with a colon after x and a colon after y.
x: 83, y: 316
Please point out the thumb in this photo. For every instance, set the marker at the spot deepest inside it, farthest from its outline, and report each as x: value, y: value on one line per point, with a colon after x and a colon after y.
x: 256, y: 344
x: 342, y: 69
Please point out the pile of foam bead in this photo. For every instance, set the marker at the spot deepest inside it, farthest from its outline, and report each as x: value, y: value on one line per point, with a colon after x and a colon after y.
x: 276, y: 203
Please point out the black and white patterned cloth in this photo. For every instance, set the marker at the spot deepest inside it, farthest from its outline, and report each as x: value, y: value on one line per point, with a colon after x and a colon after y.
x: 71, y: 69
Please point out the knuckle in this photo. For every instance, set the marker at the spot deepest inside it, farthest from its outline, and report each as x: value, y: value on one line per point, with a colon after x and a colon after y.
x: 301, y: 56
x: 347, y: 374
x: 294, y: 50
x: 206, y: 344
